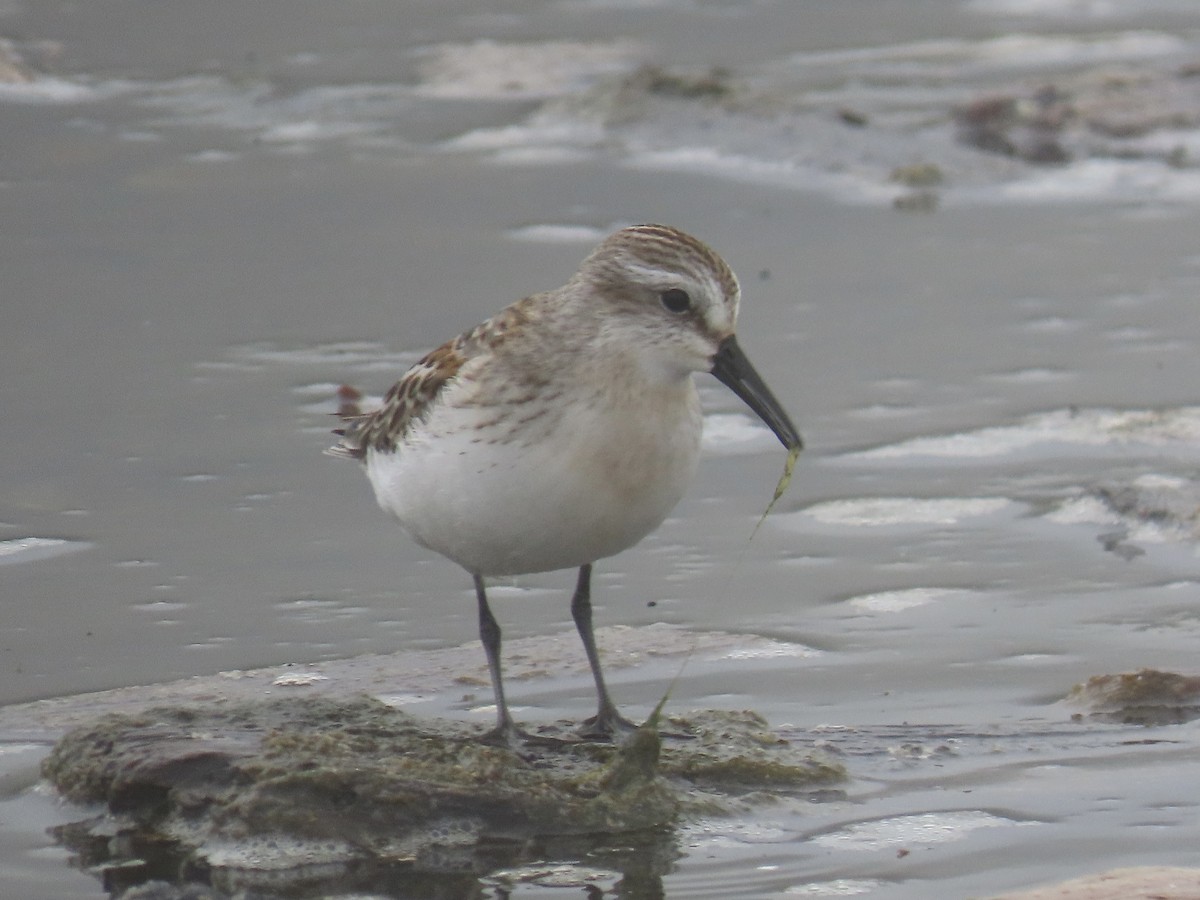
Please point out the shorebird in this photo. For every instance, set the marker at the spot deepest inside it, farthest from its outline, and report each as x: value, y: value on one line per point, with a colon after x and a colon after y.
x: 564, y: 429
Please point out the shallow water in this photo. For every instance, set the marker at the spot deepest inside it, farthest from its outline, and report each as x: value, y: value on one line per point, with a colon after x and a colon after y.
x: 213, y: 218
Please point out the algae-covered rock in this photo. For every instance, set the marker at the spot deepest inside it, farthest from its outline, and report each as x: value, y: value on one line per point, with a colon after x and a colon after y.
x: 1144, y: 697
x: 265, y: 794
x: 737, y: 751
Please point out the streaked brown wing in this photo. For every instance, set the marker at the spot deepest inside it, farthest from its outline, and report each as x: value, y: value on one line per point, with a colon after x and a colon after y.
x: 411, y: 398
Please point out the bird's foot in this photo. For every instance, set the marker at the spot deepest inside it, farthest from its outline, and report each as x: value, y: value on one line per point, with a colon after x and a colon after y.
x: 613, y: 727
x: 510, y: 737
x: 606, y: 725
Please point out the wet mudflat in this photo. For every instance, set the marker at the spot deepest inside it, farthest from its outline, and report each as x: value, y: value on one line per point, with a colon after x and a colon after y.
x: 966, y: 236
x: 287, y: 782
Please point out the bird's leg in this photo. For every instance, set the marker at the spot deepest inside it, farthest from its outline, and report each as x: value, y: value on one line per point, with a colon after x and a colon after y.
x: 607, y: 722
x: 505, y: 733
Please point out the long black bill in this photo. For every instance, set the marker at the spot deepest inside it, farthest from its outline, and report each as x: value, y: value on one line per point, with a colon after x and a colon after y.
x: 734, y: 370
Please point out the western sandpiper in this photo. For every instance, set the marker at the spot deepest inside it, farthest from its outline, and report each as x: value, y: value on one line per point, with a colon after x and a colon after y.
x: 565, y: 428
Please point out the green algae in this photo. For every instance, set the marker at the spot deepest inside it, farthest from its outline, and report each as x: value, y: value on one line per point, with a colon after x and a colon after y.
x: 735, y: 751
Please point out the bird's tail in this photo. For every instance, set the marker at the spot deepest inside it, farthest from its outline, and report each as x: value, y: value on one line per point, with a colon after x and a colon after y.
x: 351, y: 414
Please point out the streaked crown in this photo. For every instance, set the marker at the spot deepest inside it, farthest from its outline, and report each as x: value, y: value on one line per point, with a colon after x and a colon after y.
x: 661, y: 258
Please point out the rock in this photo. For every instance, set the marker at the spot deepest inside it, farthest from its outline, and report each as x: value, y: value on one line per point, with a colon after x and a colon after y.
x: 271, y: 794
x: 1145, y: 697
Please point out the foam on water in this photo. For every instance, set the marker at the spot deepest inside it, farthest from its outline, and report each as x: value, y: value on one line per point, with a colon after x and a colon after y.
x: 862, y: 187
x: 1096, y: 180
x: 276, y: 853
x: 31, y: 549
x: 779, y: 121
x: 782, y: 123
x: 872, y: 512
x: 1083, y: 511
x: 900, y: 600
x: 766, y: 648
x: 494, y: 70
x: 1174, y: 430
x: 47, y: 90
x: 529, y: 140
x: 1077, y: 9
x: 729, y: 434
x: 841, y: 887
x: 299, y: 679
x: 1031, y: 376
x: 924, y: 829
x: 315, y: 114
x: 1020, y: 52
x: 550, y: 233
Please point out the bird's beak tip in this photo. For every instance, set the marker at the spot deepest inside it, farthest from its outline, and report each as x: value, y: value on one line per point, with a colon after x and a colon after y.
x: 733, y: 369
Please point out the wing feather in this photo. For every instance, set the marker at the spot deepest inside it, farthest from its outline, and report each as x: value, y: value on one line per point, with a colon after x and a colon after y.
x: 411, y: 398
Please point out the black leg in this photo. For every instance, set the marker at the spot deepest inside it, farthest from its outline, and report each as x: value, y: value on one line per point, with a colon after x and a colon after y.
x: 505, y: 732
x: 607, y: 721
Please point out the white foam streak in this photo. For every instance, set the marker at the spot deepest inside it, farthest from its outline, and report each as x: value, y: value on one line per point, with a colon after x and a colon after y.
x: 1178, y: 430
x: 871, y: 512
x: 494, y: 70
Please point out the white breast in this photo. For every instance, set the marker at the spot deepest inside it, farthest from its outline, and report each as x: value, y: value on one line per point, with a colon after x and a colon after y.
x: 577, y: 483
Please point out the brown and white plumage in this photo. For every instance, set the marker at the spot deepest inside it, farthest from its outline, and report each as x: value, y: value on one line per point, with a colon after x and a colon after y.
x: 565, y: 428
x: 410, y: 397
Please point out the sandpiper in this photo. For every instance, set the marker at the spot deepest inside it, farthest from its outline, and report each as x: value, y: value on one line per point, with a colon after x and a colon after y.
x: 565, y: 428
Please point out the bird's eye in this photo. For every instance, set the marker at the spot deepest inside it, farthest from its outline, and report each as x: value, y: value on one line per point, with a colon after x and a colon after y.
x: 675, y: 300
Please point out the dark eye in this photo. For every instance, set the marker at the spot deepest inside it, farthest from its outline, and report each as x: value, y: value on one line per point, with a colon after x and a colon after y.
x: 675, y: 300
